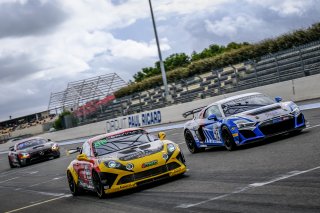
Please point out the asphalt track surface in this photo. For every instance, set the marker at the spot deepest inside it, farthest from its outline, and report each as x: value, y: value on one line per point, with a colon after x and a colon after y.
x: 279, y: 175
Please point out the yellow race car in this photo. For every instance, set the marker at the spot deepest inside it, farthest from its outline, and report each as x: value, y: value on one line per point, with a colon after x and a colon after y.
x: 122, y: 160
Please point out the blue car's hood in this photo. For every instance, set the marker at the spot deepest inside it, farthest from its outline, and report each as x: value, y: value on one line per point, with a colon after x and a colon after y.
x: 265, y: 112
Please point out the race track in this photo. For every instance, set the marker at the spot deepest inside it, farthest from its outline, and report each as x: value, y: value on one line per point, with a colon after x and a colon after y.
x: 280, y: 175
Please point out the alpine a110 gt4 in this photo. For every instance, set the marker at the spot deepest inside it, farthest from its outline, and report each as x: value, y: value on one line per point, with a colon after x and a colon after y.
x: 30, y: 150
x: 241, y: 119
x: 122, y: 160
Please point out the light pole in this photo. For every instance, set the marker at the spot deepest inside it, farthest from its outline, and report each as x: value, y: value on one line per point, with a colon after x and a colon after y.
x: 163, y: 72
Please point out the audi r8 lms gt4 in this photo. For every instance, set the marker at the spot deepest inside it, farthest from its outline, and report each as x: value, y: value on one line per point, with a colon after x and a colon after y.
x: 122, y: 160
x: 30, y: 150
x: 241, y: 119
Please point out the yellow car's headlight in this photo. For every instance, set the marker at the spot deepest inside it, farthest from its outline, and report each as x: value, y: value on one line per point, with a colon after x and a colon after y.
x: 171, y: 147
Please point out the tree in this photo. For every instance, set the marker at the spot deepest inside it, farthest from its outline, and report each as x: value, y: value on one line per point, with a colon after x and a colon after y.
x: 176, y: 60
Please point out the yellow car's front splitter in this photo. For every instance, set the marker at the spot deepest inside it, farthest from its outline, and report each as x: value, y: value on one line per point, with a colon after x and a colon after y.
x: 182, y: 169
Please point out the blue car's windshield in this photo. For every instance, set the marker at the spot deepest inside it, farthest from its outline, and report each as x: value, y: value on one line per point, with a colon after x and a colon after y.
x: 245, y: 104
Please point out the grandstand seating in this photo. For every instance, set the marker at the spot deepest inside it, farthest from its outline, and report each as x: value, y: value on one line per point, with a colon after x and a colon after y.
x: 285, y: 65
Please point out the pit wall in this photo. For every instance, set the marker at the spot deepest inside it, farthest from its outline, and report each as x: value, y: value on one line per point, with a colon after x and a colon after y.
x: 296, y: 90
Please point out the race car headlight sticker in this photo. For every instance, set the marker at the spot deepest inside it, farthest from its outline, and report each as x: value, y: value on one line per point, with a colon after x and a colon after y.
x: 24, y: 155
x: 165, y: 156
x: 295, y: 110
x: 171, y: 147
x: 113, y: 164
x: 244, y: 124
x: 129, y: 166
x: 55, y: 147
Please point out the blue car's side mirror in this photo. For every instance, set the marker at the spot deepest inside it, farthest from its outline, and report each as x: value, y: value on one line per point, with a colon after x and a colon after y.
x: 212, y: 117
x: 278, y: 99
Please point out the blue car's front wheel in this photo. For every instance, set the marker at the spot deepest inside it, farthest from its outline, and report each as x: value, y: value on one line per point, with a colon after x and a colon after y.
x: 191, y: 144
x: 228, y: 139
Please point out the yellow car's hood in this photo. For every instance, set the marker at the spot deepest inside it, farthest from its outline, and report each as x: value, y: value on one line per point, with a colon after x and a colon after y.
x: 135, y: 152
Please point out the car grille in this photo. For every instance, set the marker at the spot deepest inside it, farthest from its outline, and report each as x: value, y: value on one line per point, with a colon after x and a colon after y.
x: 148, y: 173
x: 107, y: 178
x: 300, y: 119
x: 41, y: 153
x: 269, y: 128
x: 247, y: 133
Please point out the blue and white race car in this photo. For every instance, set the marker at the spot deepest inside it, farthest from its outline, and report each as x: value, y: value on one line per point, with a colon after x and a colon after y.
x: 241, y: 119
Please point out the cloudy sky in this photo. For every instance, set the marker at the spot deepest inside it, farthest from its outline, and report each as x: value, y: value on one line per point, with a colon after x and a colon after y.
x: 44, y: 44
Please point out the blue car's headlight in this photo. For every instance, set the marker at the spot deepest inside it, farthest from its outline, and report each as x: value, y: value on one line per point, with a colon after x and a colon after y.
x: 243, y: 124
x: 295, y: 110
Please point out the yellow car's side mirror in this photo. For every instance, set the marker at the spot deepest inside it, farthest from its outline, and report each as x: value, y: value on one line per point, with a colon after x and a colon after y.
x: 82, y: 157
x: 162, y: 135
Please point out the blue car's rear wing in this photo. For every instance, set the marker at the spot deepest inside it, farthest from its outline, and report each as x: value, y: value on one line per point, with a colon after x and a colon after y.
x: 192, y: 112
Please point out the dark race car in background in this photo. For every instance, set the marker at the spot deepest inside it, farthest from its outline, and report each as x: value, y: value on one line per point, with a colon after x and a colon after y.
x: 241, y: 119
x: 30, y: 150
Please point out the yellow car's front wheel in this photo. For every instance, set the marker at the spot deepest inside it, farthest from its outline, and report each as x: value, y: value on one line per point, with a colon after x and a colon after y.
x: 72, y: 185
x: 98, y: 185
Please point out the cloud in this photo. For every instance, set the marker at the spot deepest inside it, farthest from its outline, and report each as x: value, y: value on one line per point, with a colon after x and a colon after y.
x: 230, y: 26
x: 21, y: 18
x: 287, y: 7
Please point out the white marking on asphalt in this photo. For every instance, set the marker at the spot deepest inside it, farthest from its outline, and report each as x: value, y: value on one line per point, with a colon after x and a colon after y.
x: 8, y: 180
x: 35, y: 191
x: 19, y: 170
x: 39, y: 203
x: 177, y: 133
x: 310, y: 127
x: 250, y: 186
x: 37, y: 184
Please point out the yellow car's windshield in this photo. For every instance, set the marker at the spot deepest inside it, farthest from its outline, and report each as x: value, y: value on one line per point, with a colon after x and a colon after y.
x: 119, y: 142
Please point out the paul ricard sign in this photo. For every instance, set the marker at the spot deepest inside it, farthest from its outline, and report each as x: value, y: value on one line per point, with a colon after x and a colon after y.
x: 135, y: 120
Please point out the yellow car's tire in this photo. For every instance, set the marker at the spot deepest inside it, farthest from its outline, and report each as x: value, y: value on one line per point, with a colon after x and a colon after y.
x: 72, y: 185
x: 98, y: 185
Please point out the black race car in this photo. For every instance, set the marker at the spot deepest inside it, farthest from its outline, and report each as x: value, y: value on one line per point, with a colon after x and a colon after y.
x: 30, y: 150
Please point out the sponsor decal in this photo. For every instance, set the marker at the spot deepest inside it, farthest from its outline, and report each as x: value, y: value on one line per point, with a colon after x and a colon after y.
x: 100, y: 143
x: 177, y: 170
x: 129, y: 185
x: 151, y: 163
x: 136, y: 120
x: 235, y: 134
x: 41, y: 153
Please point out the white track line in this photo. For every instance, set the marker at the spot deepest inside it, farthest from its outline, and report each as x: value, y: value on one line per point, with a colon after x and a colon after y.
x: 54, y: 179
x: 250, y: 186
x: 39, y: 203
x: 310, y: 127
x: 8, y: 180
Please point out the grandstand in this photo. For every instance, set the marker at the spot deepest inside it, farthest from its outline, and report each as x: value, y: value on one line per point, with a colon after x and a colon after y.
x: 79, y: 93
x: 8, y: 126
x: 272, y: 68
x: 87, y: 98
